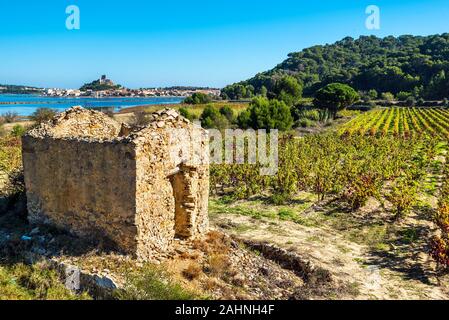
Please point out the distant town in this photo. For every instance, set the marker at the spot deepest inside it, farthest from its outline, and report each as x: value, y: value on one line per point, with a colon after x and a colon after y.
x: 104, y: 87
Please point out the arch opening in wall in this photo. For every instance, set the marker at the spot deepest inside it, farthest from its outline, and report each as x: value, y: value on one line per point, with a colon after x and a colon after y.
x: 184, y: 202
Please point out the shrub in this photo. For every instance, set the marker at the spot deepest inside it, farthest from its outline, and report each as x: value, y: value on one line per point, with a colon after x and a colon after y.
x: 442, y: 217
x: 186, y: 114
x: 244, y: 119
x: 440, y: 250
x: 301, y: 112
x: 42, y: 115
x: 212, y: 118
x: 10, y: 154
x: 305, y: 123
x: 410, y: 101
x: 439, y: 244
x: 387, y: 96
x: 198, y: 98
x: 140, y: 118
x: 219, y: 265
x: 266, y: 114
x: 12, y: 194
x: 279, y: 198
x: 288, y: 90
x: 446, y: 102
x: 402, y: 96
x: 403, y: 197
x: 373, y: 94
x: 192, y: 272
x: 358, y: 191
x: 228, y: 113
x: 18, y: 130
x: 10, y: 117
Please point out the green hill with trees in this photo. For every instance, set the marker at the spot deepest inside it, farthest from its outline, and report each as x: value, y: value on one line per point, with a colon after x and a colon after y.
x: 416, y: 66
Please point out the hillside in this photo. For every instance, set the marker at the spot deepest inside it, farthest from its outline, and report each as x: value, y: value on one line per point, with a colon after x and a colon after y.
x: 100, y: 85
x: 415, y: 64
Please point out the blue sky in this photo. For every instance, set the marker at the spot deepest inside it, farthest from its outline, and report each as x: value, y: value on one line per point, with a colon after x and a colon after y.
x: 149, y: 43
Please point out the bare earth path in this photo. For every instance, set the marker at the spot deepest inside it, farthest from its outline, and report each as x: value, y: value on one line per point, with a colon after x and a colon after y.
x: 395, y: 272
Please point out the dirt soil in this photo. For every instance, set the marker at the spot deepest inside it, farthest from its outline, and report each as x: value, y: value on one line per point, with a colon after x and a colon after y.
x: 377, y: 259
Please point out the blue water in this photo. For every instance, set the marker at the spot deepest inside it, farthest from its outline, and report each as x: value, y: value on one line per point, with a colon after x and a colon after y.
x: 29, y: 103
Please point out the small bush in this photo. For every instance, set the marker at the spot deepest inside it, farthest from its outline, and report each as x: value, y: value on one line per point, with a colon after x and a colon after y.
x: 212, y: 118
x: 186, y: 114
x: 228, y: 113
x: 446, y: 102
x: 440, y: 251
x: 402, y: 96
x: 305, y: 123
x: 140, y: 118
x: 198, y: 98
x: 403, y: 197
x: 18, y: 130
x: 219, y: 264
x: 12, y: 194
x: 358, y: 191
x: 10, y: 154
x: 301, y: 112
x: 266, y: 114
x: 192, y: 272
x: 42, y: 115
x: 387, y: 96
x: 10, y: 117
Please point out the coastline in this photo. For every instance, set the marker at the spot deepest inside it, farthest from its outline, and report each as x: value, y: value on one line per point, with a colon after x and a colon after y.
x: 25, y: 105
x: 81, y: 97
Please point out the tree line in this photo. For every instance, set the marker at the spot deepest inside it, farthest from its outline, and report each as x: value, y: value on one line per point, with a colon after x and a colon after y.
x: 406, y: 66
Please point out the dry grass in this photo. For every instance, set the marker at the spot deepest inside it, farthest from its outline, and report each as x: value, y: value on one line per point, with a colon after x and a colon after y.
x: 193, y: 271
x: 219, y: 264
x: 37, y: 282
x: 154, y: 283
x: 215, y: 242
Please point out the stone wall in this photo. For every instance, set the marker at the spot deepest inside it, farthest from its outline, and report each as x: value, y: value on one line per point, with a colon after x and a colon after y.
x: 134, y: 189
x: 87, y: 187
x: 166, y: 208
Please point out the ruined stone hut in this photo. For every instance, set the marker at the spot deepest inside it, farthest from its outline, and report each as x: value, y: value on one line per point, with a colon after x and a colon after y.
x: 137, y: 188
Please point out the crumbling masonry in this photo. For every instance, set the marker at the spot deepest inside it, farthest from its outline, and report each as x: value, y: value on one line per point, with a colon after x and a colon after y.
x: 138, y: 189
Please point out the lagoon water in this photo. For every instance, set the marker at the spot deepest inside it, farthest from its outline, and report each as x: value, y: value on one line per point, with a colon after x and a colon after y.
x: 25, y: 105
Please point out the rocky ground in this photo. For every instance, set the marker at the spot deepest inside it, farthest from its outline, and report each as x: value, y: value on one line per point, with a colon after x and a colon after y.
x: 216, y: 266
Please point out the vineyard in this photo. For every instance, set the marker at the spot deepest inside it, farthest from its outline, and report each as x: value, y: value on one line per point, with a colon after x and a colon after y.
x: 400, y: 122
x: 352, y: 168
